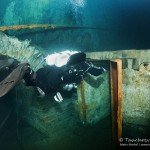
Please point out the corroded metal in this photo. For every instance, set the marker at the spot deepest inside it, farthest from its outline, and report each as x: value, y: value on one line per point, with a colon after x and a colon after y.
x: 32, y: 26
x: 45, y: 26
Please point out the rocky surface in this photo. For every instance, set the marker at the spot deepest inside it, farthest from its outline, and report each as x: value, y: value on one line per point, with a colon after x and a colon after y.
x: 21, y: 50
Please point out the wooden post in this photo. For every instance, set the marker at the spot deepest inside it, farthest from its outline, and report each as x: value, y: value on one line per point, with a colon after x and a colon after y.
x: 116, y: 98
x: 83, y: 114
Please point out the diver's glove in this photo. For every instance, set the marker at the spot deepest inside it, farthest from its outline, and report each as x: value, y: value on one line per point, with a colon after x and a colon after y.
x: 40, y: 92
x: 58, y: 97
x: 94, y: 70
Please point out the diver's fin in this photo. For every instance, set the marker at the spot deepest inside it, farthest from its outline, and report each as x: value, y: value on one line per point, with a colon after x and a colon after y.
x: 13, y: 78
x: 6, y: 63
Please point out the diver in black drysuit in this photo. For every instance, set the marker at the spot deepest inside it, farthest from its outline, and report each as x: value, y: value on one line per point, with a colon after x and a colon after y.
x: 67, y: 77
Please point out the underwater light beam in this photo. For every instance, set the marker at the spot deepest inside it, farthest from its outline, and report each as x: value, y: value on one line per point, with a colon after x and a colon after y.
x: 78, y: 3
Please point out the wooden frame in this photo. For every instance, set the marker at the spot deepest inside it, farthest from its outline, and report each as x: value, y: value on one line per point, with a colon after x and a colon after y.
x: 116, y: 98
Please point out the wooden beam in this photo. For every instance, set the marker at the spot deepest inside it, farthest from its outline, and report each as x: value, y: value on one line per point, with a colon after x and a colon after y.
x: 116, y: 98
x: 119, y: 111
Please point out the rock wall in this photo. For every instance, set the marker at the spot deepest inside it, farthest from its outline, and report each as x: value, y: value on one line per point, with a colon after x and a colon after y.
x: 94, y: 97
x: 136, y: 88
x: 21, y: 50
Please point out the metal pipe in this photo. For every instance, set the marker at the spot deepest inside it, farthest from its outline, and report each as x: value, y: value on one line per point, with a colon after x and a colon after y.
x: 46, y: 26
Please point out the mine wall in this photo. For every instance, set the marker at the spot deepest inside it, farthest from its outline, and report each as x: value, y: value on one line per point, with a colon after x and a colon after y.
x: 48, y: 116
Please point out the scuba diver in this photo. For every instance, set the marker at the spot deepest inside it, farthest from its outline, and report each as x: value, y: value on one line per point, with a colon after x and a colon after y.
x: 63, y: 72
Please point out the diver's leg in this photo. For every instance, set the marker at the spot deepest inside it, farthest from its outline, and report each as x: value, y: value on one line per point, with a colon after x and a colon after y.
x: 58, y: 97
x: 41, y: 93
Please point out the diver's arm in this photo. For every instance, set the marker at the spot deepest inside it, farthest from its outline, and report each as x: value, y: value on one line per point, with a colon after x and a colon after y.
x: 94, y: 70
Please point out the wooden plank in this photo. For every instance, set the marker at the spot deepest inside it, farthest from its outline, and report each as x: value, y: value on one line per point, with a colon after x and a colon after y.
x: 116, y: 98
x: 119, y: 111
x: 114, y: 87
